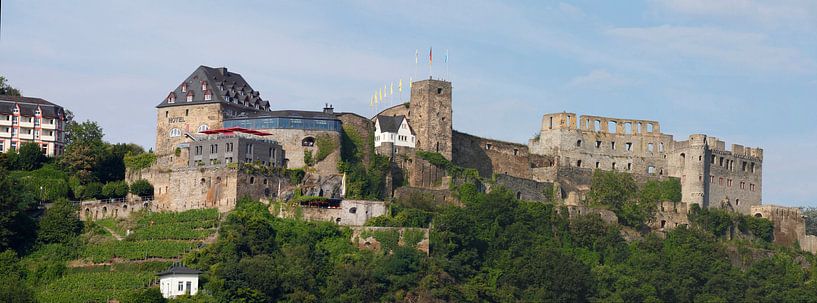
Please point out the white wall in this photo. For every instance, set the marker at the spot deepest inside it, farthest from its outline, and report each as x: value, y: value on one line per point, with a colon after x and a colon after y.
x: 403, y: 137
x: 169, y: 285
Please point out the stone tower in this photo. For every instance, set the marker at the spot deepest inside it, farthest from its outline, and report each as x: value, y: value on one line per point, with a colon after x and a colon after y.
x: 691, y: 163
x: 430, y: 115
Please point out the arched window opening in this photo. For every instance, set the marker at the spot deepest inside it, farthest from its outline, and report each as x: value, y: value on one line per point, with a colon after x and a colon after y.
x: 353, y: 210
x: 308, y: 141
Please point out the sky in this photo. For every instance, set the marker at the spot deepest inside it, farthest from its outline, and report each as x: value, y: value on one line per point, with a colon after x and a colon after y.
x: 744, y: 71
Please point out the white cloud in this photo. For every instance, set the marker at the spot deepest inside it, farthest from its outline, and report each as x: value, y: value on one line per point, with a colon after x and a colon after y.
x: 600, y: 79
x: 739, y: 49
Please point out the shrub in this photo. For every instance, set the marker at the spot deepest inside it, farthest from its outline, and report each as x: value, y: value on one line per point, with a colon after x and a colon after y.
x: 116, y: 189
x: 92, y: 190
x: 141, y: 188
x: 140, y: 161
x: 308, y: 158
x: 295, y: 175
x: 326, y: 145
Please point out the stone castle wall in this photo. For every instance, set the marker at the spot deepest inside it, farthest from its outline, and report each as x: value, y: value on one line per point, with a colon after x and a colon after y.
x: 292, y: 141
x: 430, y: 116
x: 491, y: 157
x: 350, y: 212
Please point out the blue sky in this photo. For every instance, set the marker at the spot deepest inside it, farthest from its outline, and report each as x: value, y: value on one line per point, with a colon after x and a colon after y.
x: 744, y: 71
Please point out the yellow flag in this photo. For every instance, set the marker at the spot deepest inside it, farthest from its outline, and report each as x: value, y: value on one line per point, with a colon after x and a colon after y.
x: 410, y: 83
x: 400, y: 86
x: 371, y: 101
x: 391, y: 89
x: 385, y: 89
x: 381, y: 95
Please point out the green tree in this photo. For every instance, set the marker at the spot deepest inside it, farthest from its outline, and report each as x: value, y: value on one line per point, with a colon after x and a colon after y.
x: 141, y: 188
x: 60, y: 224
x: 16, y: 227
x: 7, y: 89
x: 84, y: 149
x: 619, y: 192
x: 12, y: 275
x: 116, y: 189
x: 150, y: 295
x: 30, y: 157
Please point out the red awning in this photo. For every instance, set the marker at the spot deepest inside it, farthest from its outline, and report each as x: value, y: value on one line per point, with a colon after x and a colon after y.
x: 231, y: 130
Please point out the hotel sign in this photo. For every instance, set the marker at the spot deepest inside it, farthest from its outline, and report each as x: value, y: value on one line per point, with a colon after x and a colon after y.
x: 176, y: 120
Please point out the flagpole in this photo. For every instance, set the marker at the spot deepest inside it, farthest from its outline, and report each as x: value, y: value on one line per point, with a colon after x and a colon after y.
x: 446, y: 65
x: 430, y: 60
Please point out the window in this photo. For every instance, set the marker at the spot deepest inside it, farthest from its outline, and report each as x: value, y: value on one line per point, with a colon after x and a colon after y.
x: 661, y: 147
x: 187, y: 289
x: 189, y: 96
x: 720, y: 162
x: 742, y: 185
x: 36, y: 134
x: 249, y: 148
x: 598, y: 144
x: 651, y: 170
x: 579, y: 143
x: 488, y: 146
x: 184, y: 87
x: 628, y: 146
x: 729, y: 182
x: 515, y: 151
x: 175, y: 132
x: 181, y: 286
x: 613, y: 145
x: 2, y: 146
x: 13, y: 145
x: 37, y: 112
x: 213, y: 148
x: 203, y: 85
x: 308, y: 141
x: 14, y: 120
x: 629, y: 166
x: 720, y: 181
x: 579, y: 163
x: 598, y: 164
x: 743, y: 165
x: 649, y: 147
x: 199, y: 150
x: 208, y: 96
x: 614, y: 165
x: 203, y: 127
x: 15, y: 110
x: 751, y: 186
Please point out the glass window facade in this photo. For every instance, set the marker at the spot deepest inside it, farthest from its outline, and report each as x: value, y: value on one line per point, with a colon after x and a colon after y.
x: 285, y: 123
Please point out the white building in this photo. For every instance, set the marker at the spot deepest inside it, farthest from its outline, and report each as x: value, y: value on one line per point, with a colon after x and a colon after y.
x: 394, y: 130
x: 31, y: 120
x: 178, y: 280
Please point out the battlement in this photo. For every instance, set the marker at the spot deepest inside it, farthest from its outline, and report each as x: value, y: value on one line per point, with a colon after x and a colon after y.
x: 718, y: 146
x: 600, y: 124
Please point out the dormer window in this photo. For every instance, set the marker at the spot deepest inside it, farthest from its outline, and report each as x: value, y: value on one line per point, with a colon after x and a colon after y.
x: 37, y: 112
x: 208, y: 95
x: 203, y: 86
x: 16, y: 110
x: 190, y: 96
x: 184, y: 87
x: 171, y: 98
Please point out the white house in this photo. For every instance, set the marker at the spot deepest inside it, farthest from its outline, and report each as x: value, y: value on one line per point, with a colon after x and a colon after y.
x: 393, y: 129
x: 178, y: 280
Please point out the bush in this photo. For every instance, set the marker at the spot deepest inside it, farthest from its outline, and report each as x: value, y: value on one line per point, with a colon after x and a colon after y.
x: 140, y: 161
x: 116, y: 189
x: 326, y: 145
x: 92, y: 191
x: 60, y: 224
x: 295, y: 175
x: 308, y: 158
x: 141, y: 188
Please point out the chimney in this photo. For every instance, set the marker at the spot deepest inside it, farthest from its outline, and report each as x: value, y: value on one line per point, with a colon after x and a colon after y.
x: 328, y: 109
x: 223, y: 71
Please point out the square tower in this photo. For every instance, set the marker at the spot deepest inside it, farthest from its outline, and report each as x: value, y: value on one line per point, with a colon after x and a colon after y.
x: 430, y: 115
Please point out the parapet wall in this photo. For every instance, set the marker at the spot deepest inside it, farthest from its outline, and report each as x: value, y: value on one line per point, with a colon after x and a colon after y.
x: 350, y: 212
x: 96, y: 210
x: 366, y: 237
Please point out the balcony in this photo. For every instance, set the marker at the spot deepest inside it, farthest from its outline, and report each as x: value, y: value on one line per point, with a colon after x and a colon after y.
x: 5, y: 122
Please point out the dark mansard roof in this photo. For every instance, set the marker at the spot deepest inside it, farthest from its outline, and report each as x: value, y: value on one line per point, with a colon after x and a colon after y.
x: 224, y: 87
x: 391, y: 124
x: 28, y: 105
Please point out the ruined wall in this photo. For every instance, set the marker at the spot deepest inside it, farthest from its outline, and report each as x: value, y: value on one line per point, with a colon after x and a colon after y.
x: 576, y: 211
x: 218, y: 187
x: 95, y: 210
x: 635, y: 146
x: 292, y: 141
x: 525, y: 189
x: 430, y: 116
x: 491, y: 157
x: 669, y: 215
x: 426, y: 175
x: 789, y: 224
x: 350, y: 212
x: 364, y: 237
x: 188, y: 119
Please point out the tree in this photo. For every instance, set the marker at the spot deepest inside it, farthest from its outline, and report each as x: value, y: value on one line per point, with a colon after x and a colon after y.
x: 7, y: 89
x: 141, y: 188
x: 84, y: 149
x: 619, y: 192
x: 150, y: 295
x: 16, y: 227
x: 12, y: 277
x: 30, y: 156
x: 60, y: 224
x: 117, y: 189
